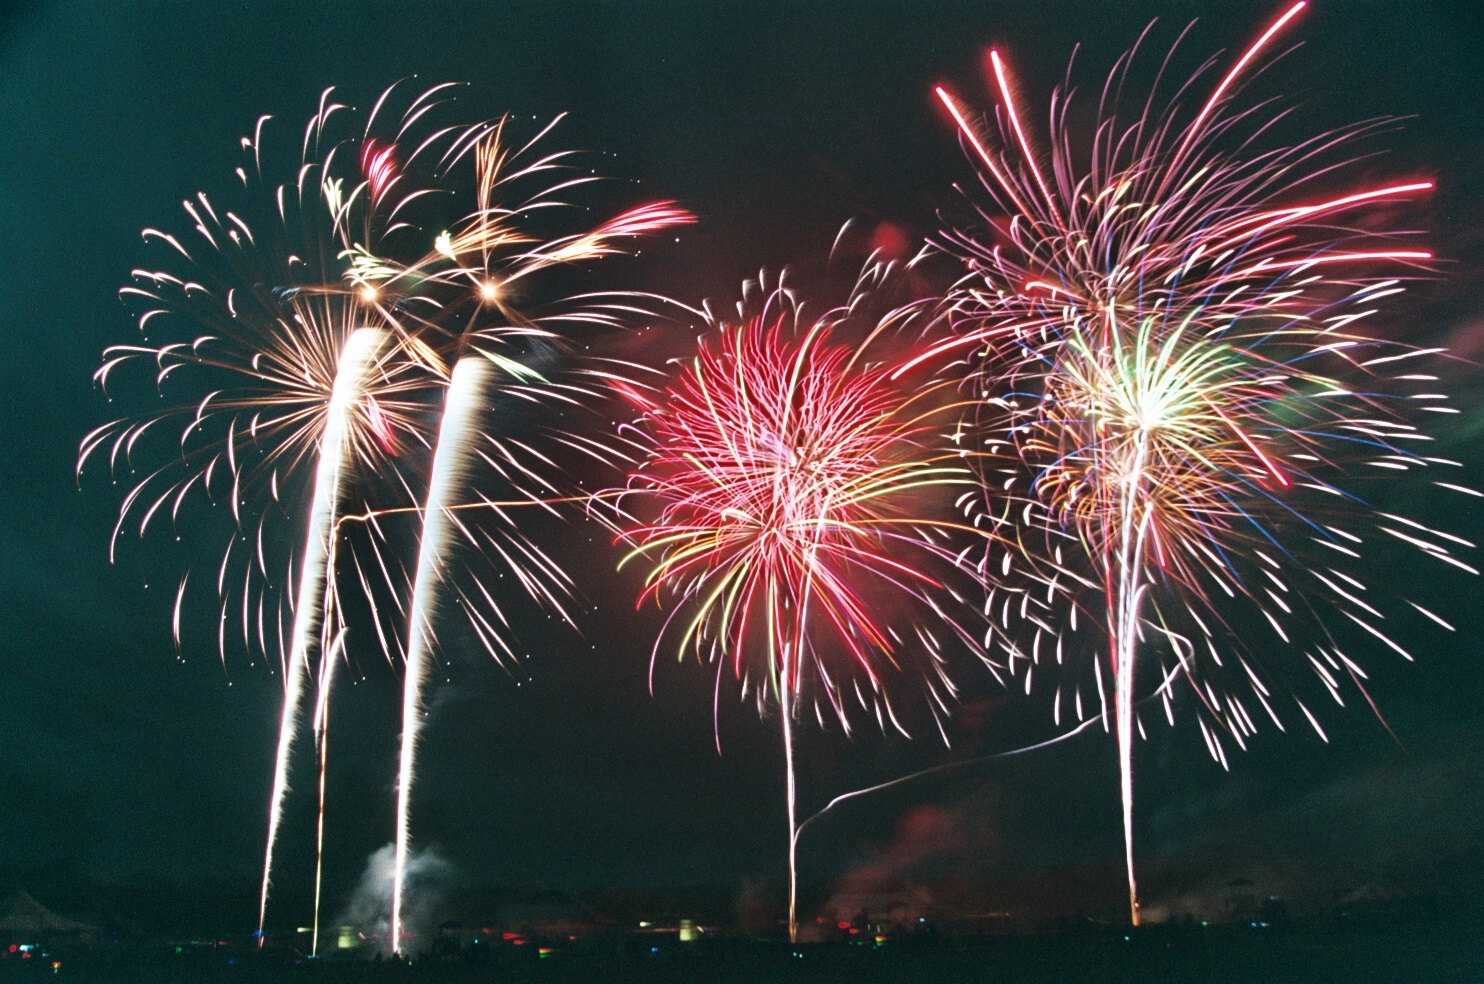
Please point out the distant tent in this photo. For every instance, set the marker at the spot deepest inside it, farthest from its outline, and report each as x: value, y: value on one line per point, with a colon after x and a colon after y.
x: 1369, y: 892
x: 27, y: 921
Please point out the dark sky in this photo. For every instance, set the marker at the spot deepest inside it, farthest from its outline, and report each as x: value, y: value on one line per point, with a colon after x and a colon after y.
x: 775, y: 123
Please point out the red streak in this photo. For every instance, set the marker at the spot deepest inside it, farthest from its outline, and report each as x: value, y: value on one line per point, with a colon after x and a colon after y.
x: 1025, y: 147
x: 379, y: 166
x: 1159, y: 548
x: 1241, y: 64
x: 968, y: 132
x: 1274, y: 219
x: 646, y: 219
x: 629, y: 393
x: 953, y: 343
x: 1267, y: 462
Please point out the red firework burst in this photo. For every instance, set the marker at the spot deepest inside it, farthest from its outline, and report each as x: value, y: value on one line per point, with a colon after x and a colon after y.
x: 795, y: 486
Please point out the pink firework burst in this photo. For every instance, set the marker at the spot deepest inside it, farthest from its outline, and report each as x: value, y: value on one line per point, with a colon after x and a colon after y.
x: 798, y: 489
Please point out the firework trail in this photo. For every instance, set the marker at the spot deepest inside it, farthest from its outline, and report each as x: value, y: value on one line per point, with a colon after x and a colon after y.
x: 357, y: 362
x: 326, y: 319
x: 788, y: 478
x: 450, y: 460
x: 322, y: 740
x: 1171, y: 341
x: 484, y: 273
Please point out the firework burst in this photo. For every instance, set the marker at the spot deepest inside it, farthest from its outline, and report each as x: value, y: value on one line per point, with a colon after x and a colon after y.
x: 1174, y: 345
x: 795, y: 488
x: 325, y: 323
x: 293, y: 386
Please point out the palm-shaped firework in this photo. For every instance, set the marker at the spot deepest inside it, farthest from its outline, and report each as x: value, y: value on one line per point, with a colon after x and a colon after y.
x: 1174, y: 346
x: 491, y: 326
x: 796, y: 488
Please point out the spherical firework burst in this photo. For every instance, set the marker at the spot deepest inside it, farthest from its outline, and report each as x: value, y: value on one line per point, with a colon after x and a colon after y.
x: 1175, y: 345
x: 795, y: 486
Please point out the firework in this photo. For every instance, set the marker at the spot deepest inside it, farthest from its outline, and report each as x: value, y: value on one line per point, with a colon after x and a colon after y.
x: 487, y: 324
x: 790, y: 478
x: 295, y: 381
x: 327, y: 326
x: 357, y: 362
x: 449, y: 462
x: 1174, y: 345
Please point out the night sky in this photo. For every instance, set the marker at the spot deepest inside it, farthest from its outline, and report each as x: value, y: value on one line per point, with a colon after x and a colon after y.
x: 775, y: 123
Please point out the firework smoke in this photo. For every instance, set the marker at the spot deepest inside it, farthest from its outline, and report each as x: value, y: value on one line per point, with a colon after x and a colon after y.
x: 426, y: 869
